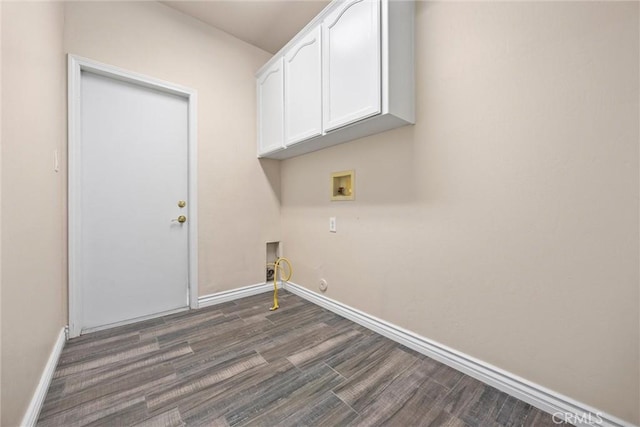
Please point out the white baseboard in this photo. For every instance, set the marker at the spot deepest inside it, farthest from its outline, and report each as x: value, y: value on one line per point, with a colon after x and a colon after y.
x: 542, y: 398
x: 234, y: 294
x: 33, y: 410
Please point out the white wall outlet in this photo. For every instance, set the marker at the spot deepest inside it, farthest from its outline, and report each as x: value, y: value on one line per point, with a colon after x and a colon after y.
x: 332, y: 224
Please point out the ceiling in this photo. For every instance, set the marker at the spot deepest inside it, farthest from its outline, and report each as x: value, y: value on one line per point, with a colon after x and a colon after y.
x: 267, y: 24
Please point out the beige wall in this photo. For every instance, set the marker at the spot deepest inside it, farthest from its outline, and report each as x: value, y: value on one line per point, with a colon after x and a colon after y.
x: 238, y: 195
x: 33, y: 126
x: 504, y: 223
x: 0, y: 211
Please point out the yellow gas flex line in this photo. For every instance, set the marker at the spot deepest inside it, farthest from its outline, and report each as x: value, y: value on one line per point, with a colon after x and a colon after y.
x: 276, y: 267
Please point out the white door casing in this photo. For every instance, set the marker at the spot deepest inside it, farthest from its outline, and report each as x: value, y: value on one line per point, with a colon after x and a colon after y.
x: 132, y: 156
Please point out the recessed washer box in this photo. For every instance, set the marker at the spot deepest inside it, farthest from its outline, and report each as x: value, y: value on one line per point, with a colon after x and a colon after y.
x: 343, y: 185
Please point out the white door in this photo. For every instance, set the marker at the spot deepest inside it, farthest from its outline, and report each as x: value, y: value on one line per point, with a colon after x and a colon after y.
x: 132, y: 257
x: 303, y: 89
x: 271, y: 109
x: 351, y: 63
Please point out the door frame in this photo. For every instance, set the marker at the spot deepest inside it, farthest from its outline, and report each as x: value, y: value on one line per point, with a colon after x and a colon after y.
x: 77, y: 64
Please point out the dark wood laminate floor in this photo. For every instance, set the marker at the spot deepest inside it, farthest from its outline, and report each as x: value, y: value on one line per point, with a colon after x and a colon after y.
x: 239, y: 364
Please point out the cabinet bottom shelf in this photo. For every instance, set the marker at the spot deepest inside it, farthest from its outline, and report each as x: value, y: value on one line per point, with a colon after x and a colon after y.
x: 366, y: 127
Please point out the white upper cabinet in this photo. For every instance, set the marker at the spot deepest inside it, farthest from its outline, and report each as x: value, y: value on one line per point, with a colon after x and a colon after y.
x: 351, y: 66
x: 303, y: 89
x: 270, y: 86
x: 349, y: 73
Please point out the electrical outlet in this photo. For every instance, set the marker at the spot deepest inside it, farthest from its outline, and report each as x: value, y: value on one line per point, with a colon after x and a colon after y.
x: 332, y: 224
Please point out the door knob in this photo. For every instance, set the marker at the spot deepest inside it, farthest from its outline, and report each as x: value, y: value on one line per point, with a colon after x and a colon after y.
x: 181, y: 219
x: 182, y: 203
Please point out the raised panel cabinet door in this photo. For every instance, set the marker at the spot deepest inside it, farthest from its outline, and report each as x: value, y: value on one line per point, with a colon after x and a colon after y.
x: 303, y: 89
x: 271, y: 109
x: 351, y: 63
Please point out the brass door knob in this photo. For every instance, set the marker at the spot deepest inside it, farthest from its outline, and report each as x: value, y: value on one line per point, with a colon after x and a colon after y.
x: 181, y: 219
x: 182, y: 203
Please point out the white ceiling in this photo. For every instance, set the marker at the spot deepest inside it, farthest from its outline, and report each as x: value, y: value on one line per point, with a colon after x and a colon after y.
x: 268, y: 24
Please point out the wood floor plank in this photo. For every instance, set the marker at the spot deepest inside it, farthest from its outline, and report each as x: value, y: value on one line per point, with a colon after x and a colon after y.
x: 56, y: 390
x: 103, y: 360
x: 214, y: 325
x: 465, y: 393
x: 447, y: 376
x: 317, y: 383
x: 416, y: 409
x: 481, y: 410
x: 365, y: 386
x: 214, y: 402
x: 243, y: 393
x: 256, y: 318
x: 190, y: 323
x: 88, y: 412
x: 116, y: 332
x: 121, y: 418
x: 304, y: 386
x: 538, y: 418
x: 486, y: 408
x: 392, y: 400
x: 104, y: 388
x: 244, y: 335
x: 170, y: 418
x: 198, y: 382
x: 239, y: 364
x: 513, y: 412
x: 204, y: 311
x: 259, y: 306
x: 207, y: 361
x: 330, y: 411
x: 296, y: 340
x: 298, y: 313
x: 438, y: 417
x: 85, y: 379
x: 87, y: 349
x: 361, y: 354
x: 323, y: 349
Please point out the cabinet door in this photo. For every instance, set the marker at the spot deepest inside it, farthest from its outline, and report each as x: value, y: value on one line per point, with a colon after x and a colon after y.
x: 303, y: 89
x: 271, y: 109
x: 351, y: 63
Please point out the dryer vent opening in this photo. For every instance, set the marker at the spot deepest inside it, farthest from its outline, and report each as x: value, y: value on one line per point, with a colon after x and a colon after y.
x: 273, y: 253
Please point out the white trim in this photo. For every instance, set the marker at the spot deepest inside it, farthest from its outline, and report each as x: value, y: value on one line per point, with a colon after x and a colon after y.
x: 33, y: 410
x: 134, y: 320
x: 74, y: 135
x: 76, y: 65
x: 234, y: 294
x: 193, y: 200
x: 527, y: 391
